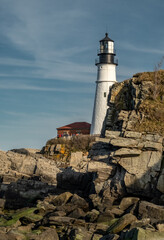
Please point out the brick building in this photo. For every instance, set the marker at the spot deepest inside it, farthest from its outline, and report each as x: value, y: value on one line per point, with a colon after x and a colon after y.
x: 74, y: 129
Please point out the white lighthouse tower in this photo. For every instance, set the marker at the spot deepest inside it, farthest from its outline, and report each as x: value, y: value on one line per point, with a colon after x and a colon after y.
x: 106, y: 76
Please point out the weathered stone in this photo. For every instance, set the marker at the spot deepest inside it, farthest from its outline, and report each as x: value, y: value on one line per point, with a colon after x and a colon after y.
x: 127, y: 202
x: 139, y: 183
x: 127, y: 152
x: 77, y: 213
x: 92, y: 215
x: 152, y: 146
x: 150, y: 210
x: 124, y: 142
x: 160, y: 183
x: 80, y: 202
x: 5, y: 164
x: 148, y: 160
x: 22, y: 163
x: 112, y: 134
x: 47, y: 170
x: 56, y: 220
x: 102, y: 140
x: 2, y: 203
x: 143, y: 223
x: 107, y: 199
x: 59, y: 213
x: 153, y: 138
x: 68, y: 208
x: 105, y: 217
x: 80, y: 234
x: 94, y: 166
x: 117, y: 212
x: 48, y: 234
x: 143, y: 234
x: 121, y: 223
x: 160, y: 227
x: 76, y: 158
x: 131, y: 134
x: 62, y: 199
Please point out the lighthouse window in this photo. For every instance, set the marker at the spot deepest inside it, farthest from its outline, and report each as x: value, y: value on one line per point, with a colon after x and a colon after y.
x: 104, y: 94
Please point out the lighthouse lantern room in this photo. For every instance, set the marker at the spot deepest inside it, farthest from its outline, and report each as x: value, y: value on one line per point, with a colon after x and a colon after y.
x: 106, y: 77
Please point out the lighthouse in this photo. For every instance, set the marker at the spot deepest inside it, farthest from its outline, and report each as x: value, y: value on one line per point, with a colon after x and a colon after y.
x: 106, y: 77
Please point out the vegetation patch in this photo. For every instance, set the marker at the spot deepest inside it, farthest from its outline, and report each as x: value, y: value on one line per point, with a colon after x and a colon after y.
x: 12, y: 217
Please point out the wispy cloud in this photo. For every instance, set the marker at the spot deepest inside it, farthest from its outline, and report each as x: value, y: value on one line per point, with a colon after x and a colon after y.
x: 23, y: 85
x: 131, y: 47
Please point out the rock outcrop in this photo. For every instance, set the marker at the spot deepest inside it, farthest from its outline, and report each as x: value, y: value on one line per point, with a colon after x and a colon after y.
x: 115, y: 191
x: 137, y: 104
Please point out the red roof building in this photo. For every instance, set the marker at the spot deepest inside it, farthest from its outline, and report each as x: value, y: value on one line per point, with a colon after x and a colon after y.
x: 74, y: 129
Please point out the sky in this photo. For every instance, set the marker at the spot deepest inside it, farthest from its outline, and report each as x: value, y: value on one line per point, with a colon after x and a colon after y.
x: 47, y: 59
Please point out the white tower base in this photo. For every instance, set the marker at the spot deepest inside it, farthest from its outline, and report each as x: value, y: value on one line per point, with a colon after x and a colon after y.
x: 106, y: 77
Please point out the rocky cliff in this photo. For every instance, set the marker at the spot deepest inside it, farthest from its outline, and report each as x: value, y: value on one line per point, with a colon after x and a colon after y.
x: 137, y: 104
x: 114, y: 191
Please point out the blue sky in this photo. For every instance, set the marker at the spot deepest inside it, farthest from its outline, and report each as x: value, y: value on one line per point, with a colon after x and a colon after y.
x: 47, y: 54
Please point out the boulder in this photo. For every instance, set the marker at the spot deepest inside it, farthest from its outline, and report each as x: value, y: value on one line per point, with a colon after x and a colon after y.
x: 62, y: 199
x: 121, y: 223
x: 105, y: 217
x: 47, y: 170
x: 76, y: 158
x: 151, y: 210
x: 70, y: 180
x: 127, y: 202
x: 22, y: 163
x: 79, y: 202
x: 140, y: 234
x: 49, y: 234
x: 77, y: 213
x: 160, y: 227
x: 80, y: 233
x: 98, y: 166
x: 92, y: 215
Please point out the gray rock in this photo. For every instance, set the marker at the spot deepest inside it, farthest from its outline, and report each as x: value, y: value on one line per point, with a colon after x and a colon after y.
x: 151, y: 210
x: 79, y: 202
x: 121, y: 223
x: 124, y: 142
x: 160, y: 183
x: 77, y: 213
x: 76, y: 158
x: 112, y: 134
x: 153, y: 138
x: 62, y: 199
x: 127, y: 202
x: 47, y: 170
x: 131, y: 134
x: 143, y: 234
x: 127, y: 152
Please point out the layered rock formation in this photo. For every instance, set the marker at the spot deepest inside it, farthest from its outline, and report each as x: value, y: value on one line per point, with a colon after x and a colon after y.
x: 137, y: 104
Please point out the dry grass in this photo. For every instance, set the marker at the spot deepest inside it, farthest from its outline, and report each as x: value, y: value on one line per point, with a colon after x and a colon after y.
x: 76, y: 143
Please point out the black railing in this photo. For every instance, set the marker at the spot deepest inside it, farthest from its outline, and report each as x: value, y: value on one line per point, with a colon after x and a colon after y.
x: 97, y: 61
